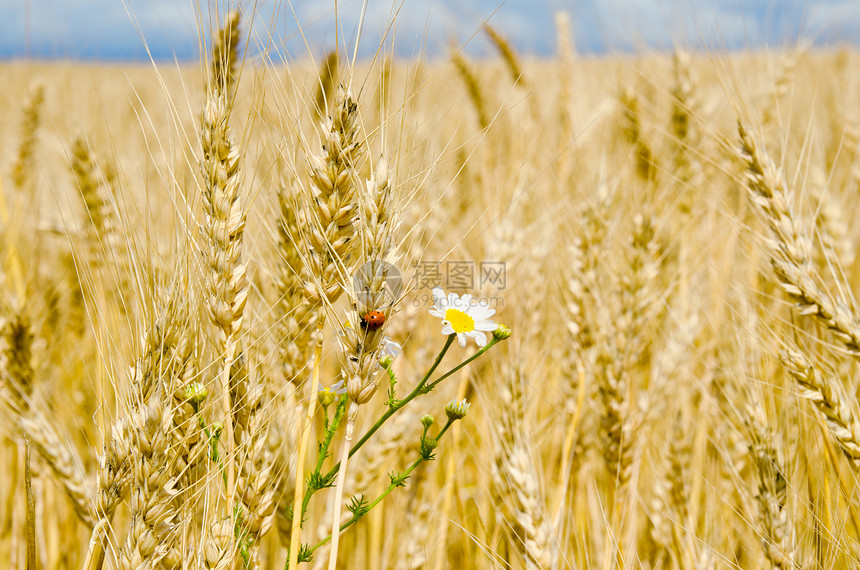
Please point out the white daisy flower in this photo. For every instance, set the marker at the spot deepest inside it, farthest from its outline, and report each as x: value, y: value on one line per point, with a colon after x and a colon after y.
x: 464, y: 316
x: 329, y: 395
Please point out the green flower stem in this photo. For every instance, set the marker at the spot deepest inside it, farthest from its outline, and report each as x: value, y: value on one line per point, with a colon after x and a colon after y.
x: 397, y: 405
x: 392, y: 387
x: 422, y: 388
x: 213, y: 447
x: 431, y: 385
x: 402, y: 477
x: 335, y: 422
x: 323, y: 449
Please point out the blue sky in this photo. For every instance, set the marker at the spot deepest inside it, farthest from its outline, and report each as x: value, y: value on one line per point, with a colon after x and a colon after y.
x: 116, y: 29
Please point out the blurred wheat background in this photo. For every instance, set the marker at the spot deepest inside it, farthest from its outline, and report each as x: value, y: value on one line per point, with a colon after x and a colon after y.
x: 675, y: 229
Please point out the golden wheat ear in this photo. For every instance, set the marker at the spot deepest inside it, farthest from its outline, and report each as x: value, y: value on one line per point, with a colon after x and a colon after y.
x: 327, y: 82
x: 23, y: 169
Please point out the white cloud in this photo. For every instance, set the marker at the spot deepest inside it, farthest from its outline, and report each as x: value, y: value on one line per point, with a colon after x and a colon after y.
x: 104, y: 28
x: 97, y: 28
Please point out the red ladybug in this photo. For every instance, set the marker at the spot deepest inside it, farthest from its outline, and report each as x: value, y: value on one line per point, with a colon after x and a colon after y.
x: 373, y: 320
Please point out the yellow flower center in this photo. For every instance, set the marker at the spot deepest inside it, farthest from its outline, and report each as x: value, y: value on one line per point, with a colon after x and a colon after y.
x: 460, y: 321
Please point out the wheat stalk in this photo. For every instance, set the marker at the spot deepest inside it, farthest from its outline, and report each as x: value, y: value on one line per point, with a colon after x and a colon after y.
x: 362, y: 343
x: 631, y: 127
x: 473, y: 86
x: 225, y: 54
x: 23, y: 167
x: 94, y: 187
x: 782, y: 83
x: 331, y: 219
x: 778, y: 534
x: 334, y: 207
x: 224, y: 228
x: 828, y: 398
x: 685, y: 110
x: 837, y: 244
x: 791, y: 247
x: 517, y: 483
x: 326, y: 83
x: 18, y: 377
x: 260, y: 461
x: 297, y: 315
x: 566, y: 53
x: 509, y: 55
x: 164, y: 441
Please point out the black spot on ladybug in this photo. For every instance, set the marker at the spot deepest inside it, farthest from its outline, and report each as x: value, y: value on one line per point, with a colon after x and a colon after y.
x: 373, y: 320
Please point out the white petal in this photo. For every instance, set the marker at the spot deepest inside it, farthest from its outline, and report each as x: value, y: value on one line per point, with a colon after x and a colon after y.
x: 461, y: 337
x: 438, y: 293
x: 485, y: 326
x: 437, y: 312
x: 447, y: 328
x: 466, y: 300
x: 480, y: 338
x: 391, y: 348
x: 481, y: 312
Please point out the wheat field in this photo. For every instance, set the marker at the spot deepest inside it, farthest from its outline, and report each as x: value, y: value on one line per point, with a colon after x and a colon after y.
x: 219, y: 306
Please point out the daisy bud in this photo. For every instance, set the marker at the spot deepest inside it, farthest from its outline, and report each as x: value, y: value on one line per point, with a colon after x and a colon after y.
x: 427, y: 420
x: 502, y: 332
x: 386, y: 361
x: 195, y: 393
x: 457, y: 410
